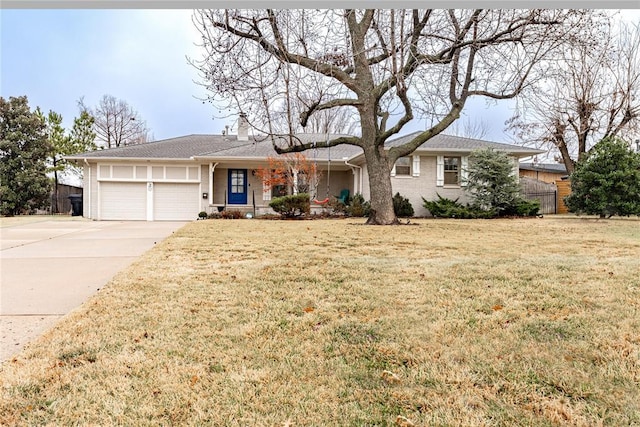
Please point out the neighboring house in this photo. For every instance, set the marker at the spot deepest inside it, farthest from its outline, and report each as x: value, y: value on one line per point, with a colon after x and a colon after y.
x: 546, y: 172
x: 175, y: 179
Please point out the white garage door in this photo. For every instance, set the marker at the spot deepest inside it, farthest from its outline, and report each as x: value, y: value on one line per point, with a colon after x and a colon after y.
x: 123, y: 200
x: 176, y: 202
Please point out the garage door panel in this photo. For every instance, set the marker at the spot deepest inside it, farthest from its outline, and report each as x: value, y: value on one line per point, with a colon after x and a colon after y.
x: 123, y: 201
x: 176, y: 202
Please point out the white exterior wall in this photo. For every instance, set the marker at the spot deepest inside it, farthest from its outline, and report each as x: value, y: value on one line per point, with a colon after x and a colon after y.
x: 219, y: 185
x: 90, y: 191
x: 416, y: 187
x: 204, y: 187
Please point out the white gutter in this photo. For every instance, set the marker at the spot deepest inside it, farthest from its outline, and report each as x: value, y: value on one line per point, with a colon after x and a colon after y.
x: 346, y: 162
x: 89, y: 189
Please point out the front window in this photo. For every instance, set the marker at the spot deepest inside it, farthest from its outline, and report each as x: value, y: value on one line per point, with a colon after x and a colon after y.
x: 452, y: 170
x: 403, y: 166
x: 279, y: 186
x: 279, y: 190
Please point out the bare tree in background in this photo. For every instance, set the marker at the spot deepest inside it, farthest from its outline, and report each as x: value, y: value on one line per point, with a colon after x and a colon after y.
x: 383, y: 66
x: 117, y: 124
x: 477, y: 128
x: 592, y: 92
x: 332, y: 121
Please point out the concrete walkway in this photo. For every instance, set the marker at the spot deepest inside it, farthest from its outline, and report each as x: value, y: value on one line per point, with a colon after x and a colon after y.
x: 50, y: 267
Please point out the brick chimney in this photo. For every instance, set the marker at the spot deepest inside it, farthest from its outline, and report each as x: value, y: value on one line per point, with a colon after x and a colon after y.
x: 243, y: 127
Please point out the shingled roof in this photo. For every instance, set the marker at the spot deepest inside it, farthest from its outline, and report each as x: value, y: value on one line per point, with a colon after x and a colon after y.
x: 214, y: 146
x: 227, y: 146
x: 451, y: 143
x: 263, y: 147
x: 184, y: 147
x: 544, y: 167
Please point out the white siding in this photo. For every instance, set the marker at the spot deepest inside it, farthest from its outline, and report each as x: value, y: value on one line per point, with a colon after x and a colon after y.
x: 415, y: 188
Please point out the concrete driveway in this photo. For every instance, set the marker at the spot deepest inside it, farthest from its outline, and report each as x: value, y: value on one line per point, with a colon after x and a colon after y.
x: 49, y: 267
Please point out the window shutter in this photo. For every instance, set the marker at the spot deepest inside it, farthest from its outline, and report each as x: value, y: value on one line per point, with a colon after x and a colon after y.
x: 416, y: 165
x: 464, y: 173
x: 266, y: 191
x: 440, y: 171
x: 393, y: 170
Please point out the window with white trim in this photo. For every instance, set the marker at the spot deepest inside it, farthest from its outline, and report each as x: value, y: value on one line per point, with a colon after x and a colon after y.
x: 403, y: 166
x: 452, y: 167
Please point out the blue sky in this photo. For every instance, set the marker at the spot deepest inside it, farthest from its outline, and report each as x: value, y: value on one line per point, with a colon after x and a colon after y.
x: 56, y: 56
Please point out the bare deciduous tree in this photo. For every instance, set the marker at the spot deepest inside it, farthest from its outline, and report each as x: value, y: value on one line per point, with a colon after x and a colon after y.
x: 477, y: 128
x: 383, y: 66
x: 117, y: 124
x: 592, y: 92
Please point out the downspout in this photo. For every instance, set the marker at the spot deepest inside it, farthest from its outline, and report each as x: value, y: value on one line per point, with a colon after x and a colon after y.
x: 212, y: 168
x: 346, y: 162
x: 88, y: 190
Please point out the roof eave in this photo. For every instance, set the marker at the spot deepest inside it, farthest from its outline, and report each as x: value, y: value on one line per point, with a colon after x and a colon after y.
x: 135, y: 159
x: 528, y: 152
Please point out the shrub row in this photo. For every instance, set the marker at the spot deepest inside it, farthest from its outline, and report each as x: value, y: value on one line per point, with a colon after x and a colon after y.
x: 225, y: 214
x: 447, y: 208
x: 297, y: 205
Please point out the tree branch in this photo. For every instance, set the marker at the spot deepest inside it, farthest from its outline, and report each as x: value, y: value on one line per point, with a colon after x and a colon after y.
x: 295, y: 145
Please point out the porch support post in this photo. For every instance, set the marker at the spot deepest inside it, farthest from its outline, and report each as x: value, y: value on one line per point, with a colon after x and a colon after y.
x: 212, y: 168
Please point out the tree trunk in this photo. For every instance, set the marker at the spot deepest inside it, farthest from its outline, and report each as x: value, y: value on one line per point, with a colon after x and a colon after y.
x: 566, y: 157
x: 380, y: 188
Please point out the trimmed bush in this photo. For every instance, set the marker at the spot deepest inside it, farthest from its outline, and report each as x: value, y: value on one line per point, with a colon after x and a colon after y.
x: 447, y: 208
x: 231, y: 214
x: 337, y: 207
x: 523, y: 207
x: 292, y: 206
x: 402, y: 206
x: 358, y: 207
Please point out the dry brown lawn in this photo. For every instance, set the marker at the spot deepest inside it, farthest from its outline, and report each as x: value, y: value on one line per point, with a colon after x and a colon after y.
x: 318, y: 323
x: 10, y: 221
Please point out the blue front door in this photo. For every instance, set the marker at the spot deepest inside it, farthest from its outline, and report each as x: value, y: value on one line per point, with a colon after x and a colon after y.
x: 237, y: 188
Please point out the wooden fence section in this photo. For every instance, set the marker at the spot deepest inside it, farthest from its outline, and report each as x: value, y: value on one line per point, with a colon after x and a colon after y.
x: 545, y: 193
x: 564, y: 189
x: 63, y: 204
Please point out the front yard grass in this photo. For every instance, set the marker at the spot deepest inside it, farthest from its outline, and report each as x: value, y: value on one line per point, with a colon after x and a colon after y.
x: 314, y: 323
